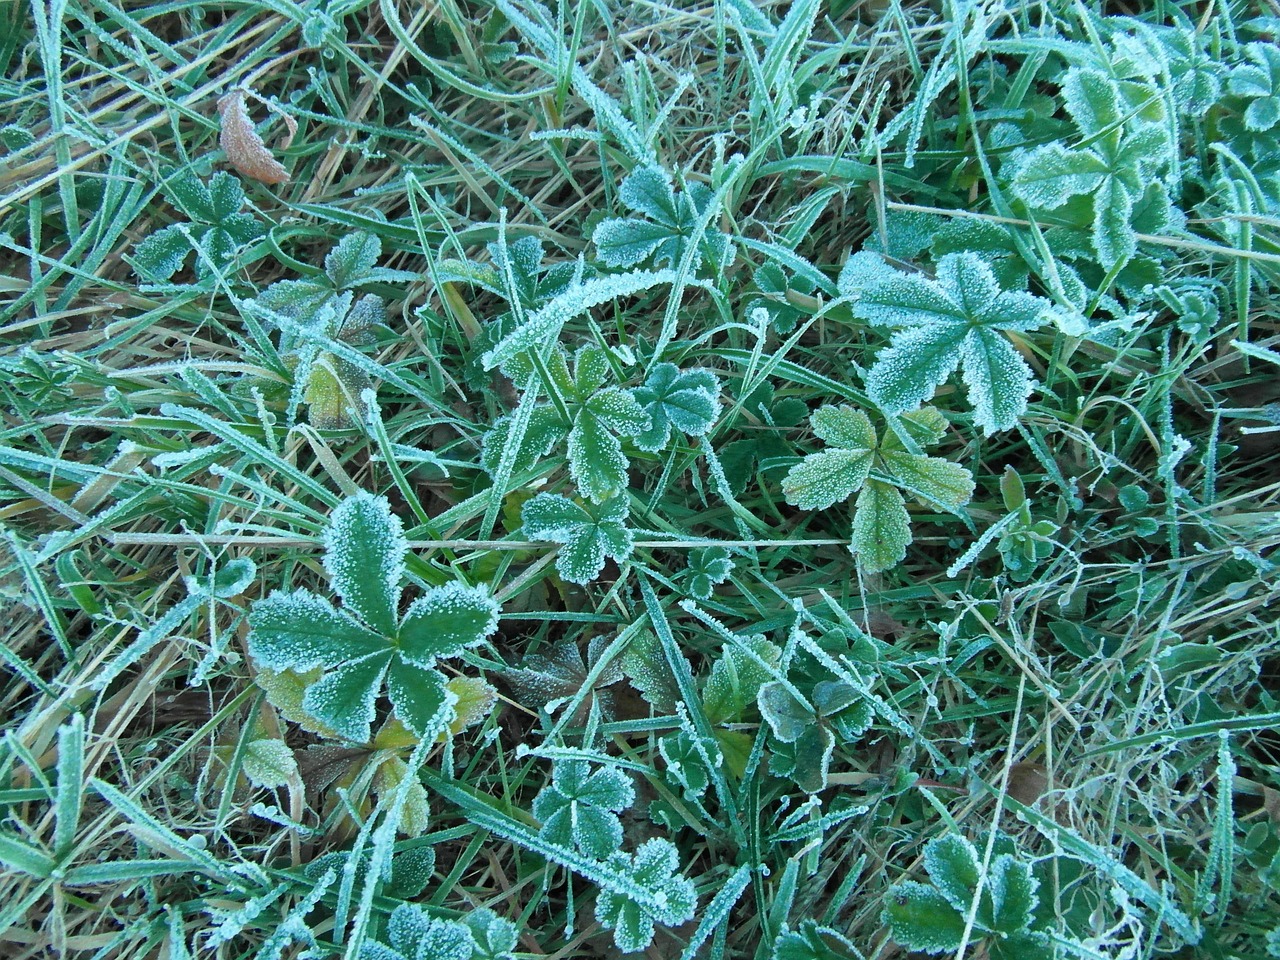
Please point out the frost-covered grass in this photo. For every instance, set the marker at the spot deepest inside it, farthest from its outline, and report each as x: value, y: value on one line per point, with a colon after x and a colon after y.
x: 756, y: 481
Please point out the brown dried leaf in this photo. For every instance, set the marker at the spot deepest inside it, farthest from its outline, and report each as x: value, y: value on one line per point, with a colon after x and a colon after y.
x: 1027, y: 781
x: 242, y: 145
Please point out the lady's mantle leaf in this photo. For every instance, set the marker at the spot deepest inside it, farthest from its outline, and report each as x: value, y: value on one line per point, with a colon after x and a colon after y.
x: 590, y: 533
x: 345, y: 697
x: 299, y: 631
x: 736, y: 677
x: 364, y: 554
x: 366, y: 642
x: 1259, y: 82
x: 881, y: 525
x: 672, y: 221
x: 579, y: 809
x: 416, y: 935
x: 833, y: 475
x: 955, y: 320
x: 653, y: 869
x: 688, y: 400
x: 708, y: 566
x: 921, y: 918
x: 445, y: 621
x: 215, y: 227
x: 495, y: 936
x: 596, y: 461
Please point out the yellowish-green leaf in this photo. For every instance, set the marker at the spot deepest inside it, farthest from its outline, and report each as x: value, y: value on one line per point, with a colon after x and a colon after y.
x: 881, y: 527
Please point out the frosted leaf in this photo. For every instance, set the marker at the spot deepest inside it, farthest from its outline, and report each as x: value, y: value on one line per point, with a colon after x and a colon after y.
x: 736, y: 677
x: 344, y: 697
x: 653, y: 868
x: 333, y: 393
x: 543, y: 325
x: 416, y: 935
x: 953, y: 865
x: 285, y: 690
x: 578, y: 809
x: 881, y: 527
x: 415, y: 815
x: 1052, y: 174
x: 648, y: 190
x: 920, y: 918
x: 596, y: 461
x: 446, y: 620
x: 863, y: 271
x: 215, y: 225
x: 299, y: 630
x: 270, y: 763
x: 932, y: 479
x: 589, y: 534
x: 495, y: 937
x: 949, y: 322
x: 687, y: 400
x: 543, y: 433
x: 242, y: 144
x: 787, y: 717
x: 813, y: 942
x: 1113, y: 235
x: 422, y: 701
x: 1012, y: 890
x: 708, y: 567
x: 833, y: 475
x: 1259, y: 82
x: 476, y: 699
x: 1127, y: 145
x: 364, y: 555
x: 1093, y: 100
x: 351, y: 263
x: 560, y: 673
x: 685, y: 765
x: 646, y: 667
x: 411, y: 871
x: 230, y: 580
x: 373, y: 950
x: 672, y: 219
x: 353, y: 259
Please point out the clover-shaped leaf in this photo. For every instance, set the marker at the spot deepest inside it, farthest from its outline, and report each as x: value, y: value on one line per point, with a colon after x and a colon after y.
x: 1127, y: 147
x: 597, y: 415
x: 708, y: 566
x: 763, y: 447
x: 579, y: 808
x: 589, y: 532
x: 653, y: 868
x: 956, y: 320
x: 416, y: 935
x: 688, y: 400
x: 495, y: 936
x: 216, y: 227
x: 808, y: 729
x: 932, y: 919
x: 881, y: 524
x: 813, y: 942
x: 1259, y: 83
x: 352, y: 263
x: 736, y: 677
x: 685, y: 764
x: 666, y: 222
x: 366, y: 642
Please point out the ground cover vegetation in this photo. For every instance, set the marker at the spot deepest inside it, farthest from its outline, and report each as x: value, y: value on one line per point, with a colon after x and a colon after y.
x: 787, y: 481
